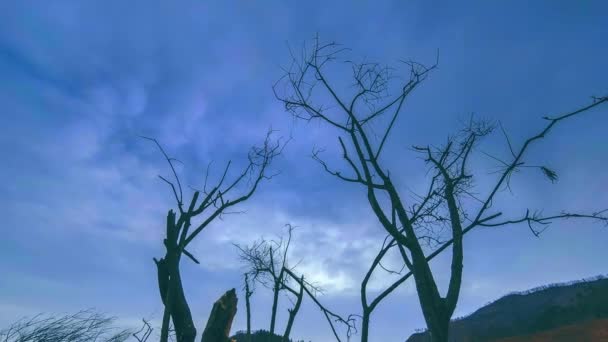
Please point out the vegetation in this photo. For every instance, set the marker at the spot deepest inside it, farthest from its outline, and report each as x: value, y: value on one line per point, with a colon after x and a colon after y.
x: 260, y: 336
x: 83, y: 326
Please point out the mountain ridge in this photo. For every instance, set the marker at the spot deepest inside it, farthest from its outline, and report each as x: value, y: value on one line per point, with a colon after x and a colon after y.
x: 532, y: 311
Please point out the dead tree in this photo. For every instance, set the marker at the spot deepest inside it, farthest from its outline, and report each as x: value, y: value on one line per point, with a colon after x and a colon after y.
x: 220, y: 320
x: 179, y: 235
x: 268, y: 265
x: 419, y: 227
x: 266, y: 261
x: 248, y: 293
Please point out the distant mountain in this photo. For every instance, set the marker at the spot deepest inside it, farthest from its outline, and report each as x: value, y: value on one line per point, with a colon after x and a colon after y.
x: 538, y: 310
x: 589, y: 331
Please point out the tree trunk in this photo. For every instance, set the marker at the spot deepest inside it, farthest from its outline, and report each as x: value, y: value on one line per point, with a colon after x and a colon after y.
x: 170, y: 287
x: 176, y: 306
x: 220, y: 320
x: 248, y: 294
x: 275, y: 301
x: 164, y: 330
x: 163, y: 287
x: 180, y: 311
x: 433, y: 306
x: 293, y: 312
x: 440, y: 330
x: 365, y: 326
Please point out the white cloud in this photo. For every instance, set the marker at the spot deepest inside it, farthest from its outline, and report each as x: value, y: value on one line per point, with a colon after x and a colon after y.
x: 332, y: 255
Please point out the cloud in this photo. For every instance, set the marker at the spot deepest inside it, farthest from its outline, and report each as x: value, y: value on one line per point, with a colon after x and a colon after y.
x: 80, y: 188
x: 331, y: 254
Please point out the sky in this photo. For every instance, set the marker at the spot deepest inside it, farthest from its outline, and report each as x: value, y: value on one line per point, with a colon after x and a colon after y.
x: 83, y: 208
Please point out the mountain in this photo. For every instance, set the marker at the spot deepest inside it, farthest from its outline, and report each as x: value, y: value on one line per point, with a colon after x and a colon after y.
x: 541, y: 309
x: 589, y: 331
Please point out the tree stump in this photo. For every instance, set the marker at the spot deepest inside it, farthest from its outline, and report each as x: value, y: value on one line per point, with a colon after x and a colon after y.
x: 220, y: 319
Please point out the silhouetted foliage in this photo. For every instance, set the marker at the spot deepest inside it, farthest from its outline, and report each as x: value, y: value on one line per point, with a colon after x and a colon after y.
x: 83, y: 326
x: 260, y: 336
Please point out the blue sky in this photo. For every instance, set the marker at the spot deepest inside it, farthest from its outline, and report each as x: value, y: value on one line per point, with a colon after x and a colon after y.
x: 83, y: 210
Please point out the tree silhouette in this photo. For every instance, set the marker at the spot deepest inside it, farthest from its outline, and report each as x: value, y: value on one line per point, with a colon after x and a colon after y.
x: 248, y: 293
x: 267, y: 264
x: 179, y: 235
x: 440, y: 210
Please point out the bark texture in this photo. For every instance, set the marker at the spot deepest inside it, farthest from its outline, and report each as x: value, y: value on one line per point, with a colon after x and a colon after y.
x: 220, y: 320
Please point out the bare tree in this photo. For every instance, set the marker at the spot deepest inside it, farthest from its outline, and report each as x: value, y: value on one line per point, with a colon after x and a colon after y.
x: 248, y: 293
x: 179, y: 234
x: 267, y: 264
x: 267, y: 260
x: 145, y: 331
x: 419, y: 227
x: 83, y: 326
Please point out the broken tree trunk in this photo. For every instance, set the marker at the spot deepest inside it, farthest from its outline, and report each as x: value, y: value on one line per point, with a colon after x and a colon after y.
x: 220, y: 319
x: 171, y: 290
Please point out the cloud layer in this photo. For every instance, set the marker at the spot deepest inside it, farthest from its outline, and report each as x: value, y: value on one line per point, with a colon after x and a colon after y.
x: 83, y: 207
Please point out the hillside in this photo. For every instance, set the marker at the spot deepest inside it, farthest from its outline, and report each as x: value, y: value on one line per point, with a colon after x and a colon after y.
x: 530, y: 312
x: 589, y: 331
